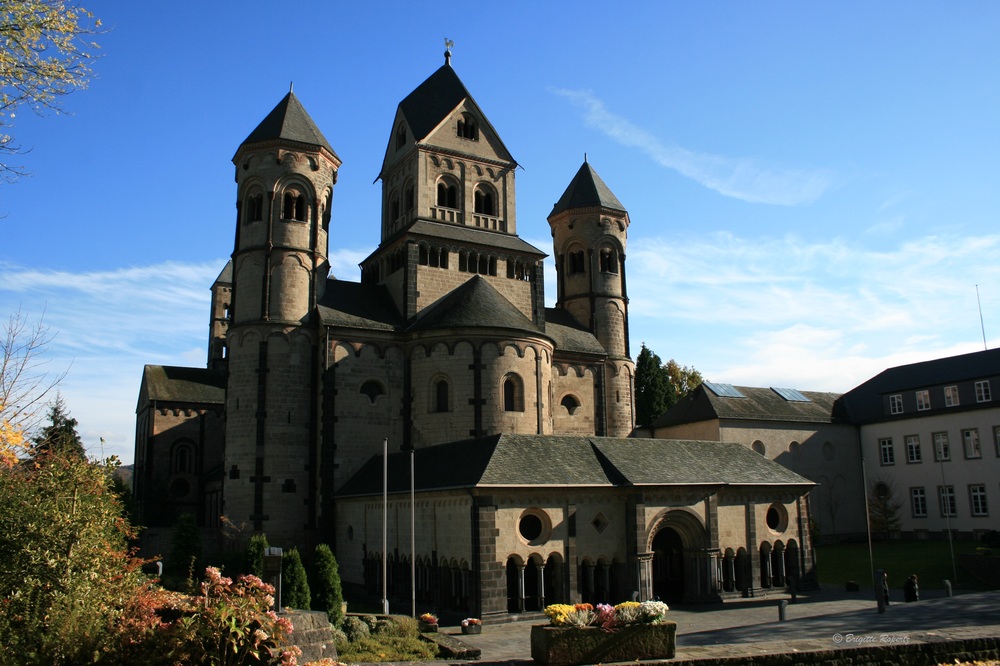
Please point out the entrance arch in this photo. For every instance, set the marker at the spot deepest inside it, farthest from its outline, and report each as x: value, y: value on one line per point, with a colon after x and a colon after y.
x: 683, y: 567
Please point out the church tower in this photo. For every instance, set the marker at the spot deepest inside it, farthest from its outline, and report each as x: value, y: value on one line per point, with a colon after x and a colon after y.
x: 285, y: 172
x: 589, y: 230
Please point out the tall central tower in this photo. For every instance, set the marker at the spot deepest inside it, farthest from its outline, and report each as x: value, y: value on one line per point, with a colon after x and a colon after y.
x: 285, y: 172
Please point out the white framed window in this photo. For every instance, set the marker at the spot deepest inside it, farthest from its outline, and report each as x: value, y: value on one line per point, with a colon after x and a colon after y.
x: 977, y: 499
x: 913, y: 449
x: 923, y: 400
x: 896, y: 404
x: 918, y: 502
x: 983, y: 391
x: 946, y: 495
x: 942, y: 451
x: 886, y: 454
x: 951, y: 396
x: 970, y: 439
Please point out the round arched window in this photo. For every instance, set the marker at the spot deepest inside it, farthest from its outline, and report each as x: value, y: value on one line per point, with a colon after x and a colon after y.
x: 534, y: 527
x: 758, y: 446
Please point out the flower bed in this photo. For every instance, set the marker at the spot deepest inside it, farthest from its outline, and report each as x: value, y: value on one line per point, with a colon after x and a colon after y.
x: 584, y: 634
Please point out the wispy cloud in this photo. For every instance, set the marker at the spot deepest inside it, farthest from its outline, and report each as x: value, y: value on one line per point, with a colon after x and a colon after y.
x: 747, y: 179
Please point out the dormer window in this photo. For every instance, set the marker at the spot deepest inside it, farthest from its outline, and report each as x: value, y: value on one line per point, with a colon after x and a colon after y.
x: 400, y: 136
x: 294, y: 206
x: 468, y: 128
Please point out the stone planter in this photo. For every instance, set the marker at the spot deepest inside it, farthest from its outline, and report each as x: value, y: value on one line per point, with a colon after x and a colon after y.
x: 427, y: 628
x: 567, y: 646
x: 472, y: 629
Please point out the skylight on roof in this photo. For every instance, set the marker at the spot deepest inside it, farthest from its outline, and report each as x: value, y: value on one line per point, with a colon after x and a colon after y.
x: 724, y: 390
x: 790, y: 394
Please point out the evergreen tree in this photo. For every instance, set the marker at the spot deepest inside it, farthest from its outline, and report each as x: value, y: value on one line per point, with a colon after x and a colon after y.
x: 327, y: 593
x: 654, y: 393
x: 60, y: 435
x: 255, y: 554
x: 185, y: 551
x: 294, y: 584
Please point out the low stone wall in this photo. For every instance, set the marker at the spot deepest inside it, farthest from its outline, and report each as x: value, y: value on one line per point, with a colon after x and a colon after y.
x: 313, y: 634
x: 565, y: 646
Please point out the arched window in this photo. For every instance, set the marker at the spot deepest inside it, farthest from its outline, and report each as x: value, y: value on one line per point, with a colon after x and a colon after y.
x: 255, y: 208
x: 441, y: 396
x: 182, y: 460
x: 294, y: 206
x: 393, y: 208
x: 485, y: 201
x: 575, y: 263
x: 373, y: 390
x: 408, y: 198
x: 609, y: 260
x: 570, y: 403
x: 468, y: 128
x: 513, y: 393
x: 447, y: 194
x: 400, y: 136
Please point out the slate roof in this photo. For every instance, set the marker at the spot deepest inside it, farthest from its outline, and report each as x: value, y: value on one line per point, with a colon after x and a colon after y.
x: 168, y: 383
x: 472, y: 304
x: 288, y: 121
x: 760, y: 404
x: 587, y: 190
x: 473, y: 236
x: 863, y: 403
x: 569, y: 335
x: 226, y: 276
x: 355, y: 305
x: 553, y: 461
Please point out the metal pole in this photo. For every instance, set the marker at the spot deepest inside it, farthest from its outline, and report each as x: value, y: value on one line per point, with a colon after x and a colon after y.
x: 413, y: 539
x: 385, y: 520
x: 947, y: 516
x: 868, y: 528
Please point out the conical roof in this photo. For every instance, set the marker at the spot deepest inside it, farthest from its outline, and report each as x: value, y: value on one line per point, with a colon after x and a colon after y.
x: 587, y: 190
x: 288, y: 121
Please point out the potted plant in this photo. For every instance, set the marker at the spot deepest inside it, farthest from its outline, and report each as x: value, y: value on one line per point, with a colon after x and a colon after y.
x: 428, y: 623
x: 585, y: 634
x: 472, y: 625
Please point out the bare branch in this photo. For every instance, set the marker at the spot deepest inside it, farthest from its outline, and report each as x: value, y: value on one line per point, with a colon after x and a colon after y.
x: 24, y: 383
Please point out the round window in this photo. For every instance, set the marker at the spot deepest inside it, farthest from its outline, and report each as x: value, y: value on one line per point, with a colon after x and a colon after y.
x: 533, y: 526
x: 776, y: 518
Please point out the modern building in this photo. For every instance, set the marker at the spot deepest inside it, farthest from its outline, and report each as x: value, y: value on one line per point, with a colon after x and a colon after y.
x: 515, y: 416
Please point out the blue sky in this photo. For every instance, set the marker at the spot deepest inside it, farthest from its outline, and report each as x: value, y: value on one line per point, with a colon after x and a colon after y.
x: 813, y: 187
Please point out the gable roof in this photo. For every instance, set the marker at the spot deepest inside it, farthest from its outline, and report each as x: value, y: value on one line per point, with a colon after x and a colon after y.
x: 168, y: 383
x: 551, y: 461
x: 758, y: 404
x: 472, y: 304
x: 288, y: 121
x: 587, y: 190
x: 864, y: 402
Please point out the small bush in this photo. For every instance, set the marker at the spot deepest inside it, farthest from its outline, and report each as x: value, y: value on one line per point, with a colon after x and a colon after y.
x: 327, y: 593
x: 255, y: 555
x: 398, y: 626
x: 355, y: 628
x: 294, y: 584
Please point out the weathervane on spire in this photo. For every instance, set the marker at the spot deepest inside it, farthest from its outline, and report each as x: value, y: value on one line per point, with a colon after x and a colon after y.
x: 449, y: 44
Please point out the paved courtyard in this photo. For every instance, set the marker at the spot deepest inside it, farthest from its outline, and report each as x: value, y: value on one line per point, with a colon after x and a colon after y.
x: 822, y: 620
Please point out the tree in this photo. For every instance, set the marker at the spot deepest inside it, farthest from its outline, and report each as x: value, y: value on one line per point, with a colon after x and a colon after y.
x: 327, y: 593
x: 24, y: 384
x: 294, y: 583
x: 255, y: 554
x: 60, y: 435
x: 884, y: 508
x: 45, y: 54
x: 654, y: 393
x: 682, y: 378
x: 181, y: 566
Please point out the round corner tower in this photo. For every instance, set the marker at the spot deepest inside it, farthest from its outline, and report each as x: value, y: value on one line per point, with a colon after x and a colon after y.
x: 285, y: 173
x: 589, y: 231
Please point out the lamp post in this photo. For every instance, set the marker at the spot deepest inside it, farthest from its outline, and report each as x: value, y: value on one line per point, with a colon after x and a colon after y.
x: 385, y: 520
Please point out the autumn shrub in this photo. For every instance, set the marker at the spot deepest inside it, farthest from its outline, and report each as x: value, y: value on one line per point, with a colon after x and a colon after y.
x: 66, y: 575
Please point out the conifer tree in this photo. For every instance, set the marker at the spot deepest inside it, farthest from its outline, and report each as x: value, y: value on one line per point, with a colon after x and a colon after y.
x: 327, y: 593
x: 654, y: 393
x: 60, y: 434
x: 294, y: 583
x: 255, y: 554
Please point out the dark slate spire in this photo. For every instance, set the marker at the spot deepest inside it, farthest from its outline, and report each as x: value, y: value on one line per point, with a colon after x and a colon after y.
x: 587, y: 190
x: 433, y: 100
x: 289, y: 122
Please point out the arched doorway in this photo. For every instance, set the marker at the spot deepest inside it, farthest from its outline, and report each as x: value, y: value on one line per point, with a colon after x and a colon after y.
x: 553, y: 588
x: 514, y: 600
x: 668, y: 565
x: 532, y: 588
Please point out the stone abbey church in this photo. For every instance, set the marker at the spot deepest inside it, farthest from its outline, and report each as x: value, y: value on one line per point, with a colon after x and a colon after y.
x: 515, y: 417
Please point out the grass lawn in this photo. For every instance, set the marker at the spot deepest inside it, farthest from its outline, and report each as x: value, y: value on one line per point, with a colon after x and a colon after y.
x: 930, y: 560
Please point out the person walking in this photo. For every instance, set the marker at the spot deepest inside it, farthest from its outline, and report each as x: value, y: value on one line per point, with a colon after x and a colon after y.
x: 885, y: 588
x: 911, y: 591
